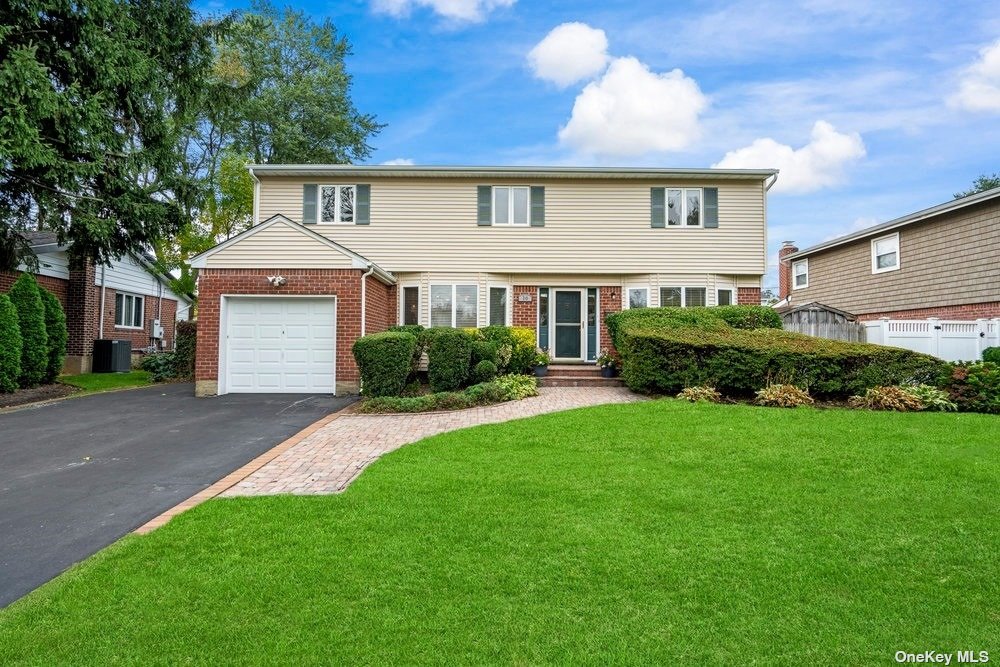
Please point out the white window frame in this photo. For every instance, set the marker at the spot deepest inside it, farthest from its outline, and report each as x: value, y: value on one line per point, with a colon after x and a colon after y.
x: 338, y: 221
x: 141, y: 299
x: 683, y: 289
x: 402, y: 302
x: 800, y: 262
x: 732, y: 295
x: 684, y: 203
x: 628, y: 294
x: 508, y: 308
x: 875, y: 267
x: 454, y: 302
x: 510, y: 206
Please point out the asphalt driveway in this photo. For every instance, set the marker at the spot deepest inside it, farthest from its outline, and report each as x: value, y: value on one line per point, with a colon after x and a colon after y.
x: 78, y: 474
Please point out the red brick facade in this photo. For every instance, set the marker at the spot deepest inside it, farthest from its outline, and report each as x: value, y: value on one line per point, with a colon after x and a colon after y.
x: 345, y: 284
x: 967, y: 311
x: 748, y: 296
x: 525, y: 313
x: 785, y: 269
x: 58, y: 286
x: 610, y: 301
x: 153, y: 308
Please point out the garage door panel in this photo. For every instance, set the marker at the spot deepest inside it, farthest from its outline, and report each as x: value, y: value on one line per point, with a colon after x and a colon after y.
x: 280, y: 344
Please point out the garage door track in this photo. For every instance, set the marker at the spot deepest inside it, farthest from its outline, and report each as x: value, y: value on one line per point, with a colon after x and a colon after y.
x: 78, y: 474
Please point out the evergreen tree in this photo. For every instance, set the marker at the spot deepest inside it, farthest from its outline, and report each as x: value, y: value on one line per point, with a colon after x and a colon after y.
x: 10, y: 346
x: 55, y: 329
x: 31, y: 321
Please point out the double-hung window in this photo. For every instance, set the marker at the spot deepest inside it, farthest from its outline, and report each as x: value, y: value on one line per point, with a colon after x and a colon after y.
x: 510, y: 205
x: 800, y: 274
x: 454, y: 306
x: 683, y: 297
x: 499, y: 300
x: 128, y: 310
x: 337, y: 204
x: 684, y: 207
x: 885, y: 253
x: 411, y: 305
x: 638, y: 297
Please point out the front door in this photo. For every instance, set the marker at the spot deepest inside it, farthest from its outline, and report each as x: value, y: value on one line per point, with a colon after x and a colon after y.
x: 569, y: 324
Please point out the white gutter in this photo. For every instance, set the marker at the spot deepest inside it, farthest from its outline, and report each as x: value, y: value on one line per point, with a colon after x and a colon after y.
x: 774, y: 180
x: 101, y: 325
x: 364, y: 281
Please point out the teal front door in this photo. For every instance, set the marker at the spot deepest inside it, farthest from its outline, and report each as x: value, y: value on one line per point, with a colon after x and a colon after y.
x: 569, y: 324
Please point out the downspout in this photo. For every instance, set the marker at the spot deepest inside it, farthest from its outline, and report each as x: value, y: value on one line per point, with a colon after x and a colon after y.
x: 101, y: 325
x: 364, y: 281
x: 773, y: 181
x: 256, y: 197
x: 159, y: 308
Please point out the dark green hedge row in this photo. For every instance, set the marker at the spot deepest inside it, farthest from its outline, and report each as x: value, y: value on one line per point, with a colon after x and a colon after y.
x: 385, y: 361
x: 714, y: 317
x: 741, y: 361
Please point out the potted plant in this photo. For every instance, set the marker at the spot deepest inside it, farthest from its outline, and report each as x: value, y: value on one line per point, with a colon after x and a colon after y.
x: 608, y: 363
x: 541, y: 363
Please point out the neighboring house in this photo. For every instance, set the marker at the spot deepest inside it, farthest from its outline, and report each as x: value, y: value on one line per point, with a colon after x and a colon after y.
x: 127, y: 299
x: 342, y: 251
x: 941, y: 262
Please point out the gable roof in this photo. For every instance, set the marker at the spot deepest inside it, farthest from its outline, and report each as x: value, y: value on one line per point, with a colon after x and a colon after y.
x: 419, y: 171
x: 357, y: 261
x: 912, y: 218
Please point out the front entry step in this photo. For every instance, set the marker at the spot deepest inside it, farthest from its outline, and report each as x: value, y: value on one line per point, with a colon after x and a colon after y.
x: 571, y: 381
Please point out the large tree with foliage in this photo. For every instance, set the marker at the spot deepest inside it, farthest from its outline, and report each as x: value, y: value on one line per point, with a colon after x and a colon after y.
x: 981, y: 184
x: 278, y: 92
x: 96, y: 95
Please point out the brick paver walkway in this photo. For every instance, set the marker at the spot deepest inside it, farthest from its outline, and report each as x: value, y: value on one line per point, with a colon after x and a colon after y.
x: 330, y: 458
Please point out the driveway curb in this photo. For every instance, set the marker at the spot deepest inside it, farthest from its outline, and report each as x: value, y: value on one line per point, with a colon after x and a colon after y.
x: 239, y: 474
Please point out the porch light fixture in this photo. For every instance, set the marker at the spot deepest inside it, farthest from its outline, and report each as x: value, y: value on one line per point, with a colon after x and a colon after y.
x: 277, y: 281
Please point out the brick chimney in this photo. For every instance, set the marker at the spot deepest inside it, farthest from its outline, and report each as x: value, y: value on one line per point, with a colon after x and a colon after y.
x: 785, y: 269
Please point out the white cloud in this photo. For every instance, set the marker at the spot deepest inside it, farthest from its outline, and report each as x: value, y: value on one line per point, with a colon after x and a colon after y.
x: 979, y: 89
x: 571, y: 52
x: 630, y: 111
x: 818, y: 164
x: 457, y: 10
x: 399, y: 161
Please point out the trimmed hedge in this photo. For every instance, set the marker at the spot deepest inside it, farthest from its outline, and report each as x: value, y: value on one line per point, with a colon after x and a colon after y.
x: 55, y: 329
x: 31, y: 319
x: 385, y: 361
x: 185, y: 347
x: 992, y: 354
x: 503, y: 388
x: 449, y: 356
x: 708, y: 317
x: 10, y: 346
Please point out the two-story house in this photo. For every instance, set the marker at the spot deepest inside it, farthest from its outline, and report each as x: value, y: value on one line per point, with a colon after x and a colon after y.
x: 942, y: 262
x: 337, y: 252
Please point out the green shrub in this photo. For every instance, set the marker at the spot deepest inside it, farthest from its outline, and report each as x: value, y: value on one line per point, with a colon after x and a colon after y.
x: 55, y: 330
x: 992, y: 354
x: 504, y: 388
x: 931, y: 398
x: 516, y: 387
x: 385, y: 361
x: 522, y: 358
x: 422, y: 337
x: 484, y: 371
x: 31, y: 319
x: 740, y: 362
x: 716, y: 317
x: 698, y: 394
x: 974, y: 387
x: 10, y: 346
x: 185, y: 346
x: 484, y: 350
x: 503, y: 340
x: 896, y: 399
x: 783, y: 396
x: 448, y: 359
x: 162, y: 366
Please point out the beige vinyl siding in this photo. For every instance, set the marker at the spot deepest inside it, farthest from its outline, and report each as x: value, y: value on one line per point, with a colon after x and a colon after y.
x: 951, y: 260
x: 280, y: 246
x: 593, y: 226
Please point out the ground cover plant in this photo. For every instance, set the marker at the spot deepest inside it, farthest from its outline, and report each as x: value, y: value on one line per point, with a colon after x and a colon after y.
x: 498, y: 390
x: 95, y: 382
x: 662, y: 532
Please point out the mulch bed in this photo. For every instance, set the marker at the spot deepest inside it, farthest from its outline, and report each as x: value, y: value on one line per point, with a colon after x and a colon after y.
x: 35, y: 394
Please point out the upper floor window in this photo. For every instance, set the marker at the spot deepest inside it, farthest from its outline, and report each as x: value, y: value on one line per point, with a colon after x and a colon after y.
x: 337, y: 203
x: 128, y: 310
x: 885, y: 253
x: 510, y: 205
x: 684, y: 207
x: 800, y: 274
x: 638, y: 297
x: 455, y: 306
x: 682, y: 297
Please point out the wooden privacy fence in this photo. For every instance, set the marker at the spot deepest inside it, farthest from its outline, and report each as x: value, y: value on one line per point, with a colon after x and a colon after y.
x: 824, y: 324
x: 951, y: 340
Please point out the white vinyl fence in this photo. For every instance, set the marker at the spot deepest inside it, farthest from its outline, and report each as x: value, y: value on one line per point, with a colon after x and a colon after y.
x: 951, y: 340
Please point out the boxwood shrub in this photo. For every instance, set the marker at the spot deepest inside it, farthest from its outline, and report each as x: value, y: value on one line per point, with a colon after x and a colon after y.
x: 10, y: 346
x: 385, y: 360
x: 449, y: 355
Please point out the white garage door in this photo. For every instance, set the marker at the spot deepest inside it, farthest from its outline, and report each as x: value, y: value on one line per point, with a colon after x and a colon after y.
x: 280, y: 345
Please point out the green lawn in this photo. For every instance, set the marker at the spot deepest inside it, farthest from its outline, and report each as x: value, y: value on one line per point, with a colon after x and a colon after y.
x: 661, y: 532
x: 94, y: 382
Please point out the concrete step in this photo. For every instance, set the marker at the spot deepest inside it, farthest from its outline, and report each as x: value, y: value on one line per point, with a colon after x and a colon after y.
x: 577, y: 381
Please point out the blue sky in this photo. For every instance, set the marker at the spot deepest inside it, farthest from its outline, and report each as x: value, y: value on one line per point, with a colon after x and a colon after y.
x: 871, y: 109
